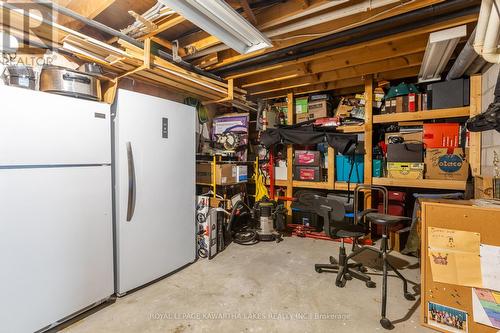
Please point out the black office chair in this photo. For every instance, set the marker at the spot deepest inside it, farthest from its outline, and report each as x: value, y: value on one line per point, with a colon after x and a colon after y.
x: 336, y: 226
x: 333, y: 210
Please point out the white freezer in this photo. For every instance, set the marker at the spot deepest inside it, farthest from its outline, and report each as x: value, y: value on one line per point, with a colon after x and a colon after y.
x: 55, y: 244
x: 39, y: 128
x: 155, y: 188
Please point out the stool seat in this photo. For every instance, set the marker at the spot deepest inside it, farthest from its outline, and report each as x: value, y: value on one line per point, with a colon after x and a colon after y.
x: 384, y: 219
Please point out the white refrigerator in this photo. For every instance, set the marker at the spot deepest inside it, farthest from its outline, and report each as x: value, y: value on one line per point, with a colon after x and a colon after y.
x: 154, y: 173
x: 56, y: 236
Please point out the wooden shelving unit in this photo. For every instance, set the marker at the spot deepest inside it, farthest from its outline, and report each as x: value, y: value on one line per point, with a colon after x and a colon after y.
x: 422, y: 115
x: 367, y: 129
x: 422, y: 183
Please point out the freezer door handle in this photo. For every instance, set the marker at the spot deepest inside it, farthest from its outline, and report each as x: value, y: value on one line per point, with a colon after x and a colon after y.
x: 131, y: 183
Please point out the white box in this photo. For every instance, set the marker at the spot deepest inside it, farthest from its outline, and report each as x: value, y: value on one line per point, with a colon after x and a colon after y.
x: 242, y: 173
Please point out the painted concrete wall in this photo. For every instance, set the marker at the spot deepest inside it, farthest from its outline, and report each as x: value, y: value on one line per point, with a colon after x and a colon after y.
x: 490, y: 139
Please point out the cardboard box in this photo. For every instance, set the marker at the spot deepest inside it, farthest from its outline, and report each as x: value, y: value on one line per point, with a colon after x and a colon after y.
x: 392, y: 109
x: 231, y: 122
x: 407, y: 136
x: 307, y: 158
x: 319, y: 109
x: 343, y: 110
x: 441, y: 135
x: 486, y: 187
x: 301, y: 105
x: 401, y: 170
x: 226, y: 174
x: 440, y: 163
x: 302, y: 117
x: 398, y: 238
x: 281, y: 172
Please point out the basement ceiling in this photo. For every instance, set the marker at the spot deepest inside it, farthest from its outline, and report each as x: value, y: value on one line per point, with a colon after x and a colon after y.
x: 317, y: 44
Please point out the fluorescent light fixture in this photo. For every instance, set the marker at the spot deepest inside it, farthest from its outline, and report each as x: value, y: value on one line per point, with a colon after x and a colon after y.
x: 439, y: 49
x: 220, y: 20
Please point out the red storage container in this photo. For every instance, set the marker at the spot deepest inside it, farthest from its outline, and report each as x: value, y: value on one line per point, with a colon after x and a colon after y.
x: 396, y: 207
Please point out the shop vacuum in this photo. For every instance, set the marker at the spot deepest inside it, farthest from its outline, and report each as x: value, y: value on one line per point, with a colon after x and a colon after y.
x: 266, y: 223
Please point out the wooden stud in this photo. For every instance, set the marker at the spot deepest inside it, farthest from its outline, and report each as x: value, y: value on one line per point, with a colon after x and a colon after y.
x: 368, y: 129
x: 475, y: 137
x: 289, y: 158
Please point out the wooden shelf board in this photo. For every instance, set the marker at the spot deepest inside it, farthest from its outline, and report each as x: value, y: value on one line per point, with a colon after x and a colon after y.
x: 351, y: 129
x: 421, y: 183
x: 421, y: 115
x: 277, y: 182
x: 314, y: 185
x: 342, y: 186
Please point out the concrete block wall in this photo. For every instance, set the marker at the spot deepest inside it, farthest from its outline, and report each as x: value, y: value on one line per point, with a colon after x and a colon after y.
x: 490, y: 139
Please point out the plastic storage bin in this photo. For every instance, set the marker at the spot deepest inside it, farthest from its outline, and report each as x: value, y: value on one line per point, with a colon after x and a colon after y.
x: 343, y: 167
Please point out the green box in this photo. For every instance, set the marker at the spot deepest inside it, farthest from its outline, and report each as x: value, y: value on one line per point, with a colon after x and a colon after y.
x: 301, y: 105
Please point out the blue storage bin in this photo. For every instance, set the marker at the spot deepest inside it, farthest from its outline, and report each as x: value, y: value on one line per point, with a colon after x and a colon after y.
x: 343, y: 166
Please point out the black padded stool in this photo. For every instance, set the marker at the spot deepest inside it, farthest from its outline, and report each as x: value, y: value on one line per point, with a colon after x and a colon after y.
x: 385, y: 221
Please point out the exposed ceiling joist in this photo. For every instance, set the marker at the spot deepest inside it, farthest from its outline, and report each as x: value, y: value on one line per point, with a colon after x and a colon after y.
x: 346, y: 83
x: 341, y: 74
x: 337, y: 20
x: 344, y: 59
x: 87, y: 8
x: 392, y: 38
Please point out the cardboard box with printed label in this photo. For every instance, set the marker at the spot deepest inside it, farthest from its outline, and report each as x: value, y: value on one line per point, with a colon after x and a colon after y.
x: 401, y: 170
x: 441, y: 163
x: 319, y: 109
x: 226, y: 174
x: 407, y: 136
x: 302, y: 117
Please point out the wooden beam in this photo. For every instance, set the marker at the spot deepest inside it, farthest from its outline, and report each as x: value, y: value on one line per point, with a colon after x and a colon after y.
x: 475, y: 138
x: 344, y: 59
x: 248, y: 11
x: 172, y: 22
x: 410, y: 60
x: 368, y: 129
x: 88, y: 8
x: 346, y: 83
x: 322, y: 27
x: 363, y: 46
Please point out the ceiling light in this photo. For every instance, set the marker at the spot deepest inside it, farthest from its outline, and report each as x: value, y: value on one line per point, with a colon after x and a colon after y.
x: 439, y: 49
x: 220, y: 20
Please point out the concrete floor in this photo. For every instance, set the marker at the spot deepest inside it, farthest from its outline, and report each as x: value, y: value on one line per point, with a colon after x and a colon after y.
x: 268, y: 287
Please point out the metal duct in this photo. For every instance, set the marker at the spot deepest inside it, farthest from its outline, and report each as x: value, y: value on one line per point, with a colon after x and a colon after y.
x: 464, y: 59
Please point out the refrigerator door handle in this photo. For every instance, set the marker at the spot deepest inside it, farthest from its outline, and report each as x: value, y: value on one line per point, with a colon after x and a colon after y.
x: 131, y: 183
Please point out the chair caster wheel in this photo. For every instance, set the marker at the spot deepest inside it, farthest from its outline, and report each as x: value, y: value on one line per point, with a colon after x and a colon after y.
x: 386, y: 323
x: 347, y: 276
x: 363, y: 269
x: 340, y: 284
x: 333, y: 260
x: 319, y: 270
x: 409, y: 297
x: 371, y: 284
